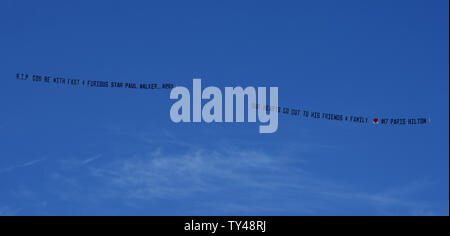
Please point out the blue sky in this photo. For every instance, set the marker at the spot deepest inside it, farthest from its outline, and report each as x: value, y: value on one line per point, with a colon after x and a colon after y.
x: 91, y: 151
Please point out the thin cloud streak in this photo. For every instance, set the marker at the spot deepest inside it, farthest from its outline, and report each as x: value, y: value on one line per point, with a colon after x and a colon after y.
x: 89, y: 160
x: 27, y: 164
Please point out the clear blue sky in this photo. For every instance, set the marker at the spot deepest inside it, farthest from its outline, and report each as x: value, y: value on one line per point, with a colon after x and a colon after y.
x: 90, y: 151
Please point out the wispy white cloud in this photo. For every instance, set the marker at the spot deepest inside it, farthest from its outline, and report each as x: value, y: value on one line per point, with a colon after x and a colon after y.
x: 34, y: 162
x: 201, y: 171
x: 236, y: 179
x: 92, y: 159
x: 25, y: 165
x: 254, y: 176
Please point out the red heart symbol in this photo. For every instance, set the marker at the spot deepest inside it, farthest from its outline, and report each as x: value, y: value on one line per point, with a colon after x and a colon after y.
x: 375, y: 121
